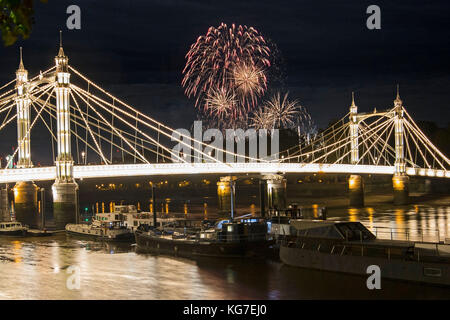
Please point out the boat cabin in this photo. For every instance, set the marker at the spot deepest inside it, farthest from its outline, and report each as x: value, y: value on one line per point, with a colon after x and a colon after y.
x: 127, y: 215
x: 238, y: 230
x: 294, y: 211
x: 125, y: 209
x: 350, y: 231
x: 10, y: 225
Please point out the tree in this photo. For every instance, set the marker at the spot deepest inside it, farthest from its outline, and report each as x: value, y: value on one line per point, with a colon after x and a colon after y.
x: 16, y: 19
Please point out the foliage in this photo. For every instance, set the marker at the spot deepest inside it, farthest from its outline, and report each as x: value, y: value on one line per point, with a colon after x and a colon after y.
x: 16, y: 19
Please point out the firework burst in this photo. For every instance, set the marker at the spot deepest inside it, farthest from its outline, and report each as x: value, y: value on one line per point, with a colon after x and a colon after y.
x: 233, y: 58
x: 261, y: 119
x: 220, y: 102
x: 250, y: 81
x: 281, y: 113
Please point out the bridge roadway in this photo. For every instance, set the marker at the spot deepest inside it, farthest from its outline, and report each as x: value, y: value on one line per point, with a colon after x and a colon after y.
x: 127, y: 170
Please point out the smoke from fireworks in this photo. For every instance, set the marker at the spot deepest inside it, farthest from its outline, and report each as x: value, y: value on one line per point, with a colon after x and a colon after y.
x: 232, y: 58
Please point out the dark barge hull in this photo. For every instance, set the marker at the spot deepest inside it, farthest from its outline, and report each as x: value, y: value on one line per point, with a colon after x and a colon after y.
x: 15, y: 233
x: 394, y: 269
x: 186, y: 248
x: 129, y: 237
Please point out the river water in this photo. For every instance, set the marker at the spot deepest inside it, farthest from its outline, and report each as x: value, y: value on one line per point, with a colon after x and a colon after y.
x: 42, y: 268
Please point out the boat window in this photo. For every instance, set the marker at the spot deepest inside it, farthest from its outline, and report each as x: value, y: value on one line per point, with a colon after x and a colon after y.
x: 280, y: 220
x: 354, y: 231
x: 322, y: 232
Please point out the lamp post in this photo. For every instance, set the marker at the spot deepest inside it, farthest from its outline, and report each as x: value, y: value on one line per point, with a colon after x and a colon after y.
x: 83, y: 155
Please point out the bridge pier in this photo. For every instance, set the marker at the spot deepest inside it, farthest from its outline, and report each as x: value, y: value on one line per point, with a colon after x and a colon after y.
x: 5, y: 212
x: 356, y: 191
x: 276, y: 192
x: 400, y: 183
x: 26, y: 203
x: 65, y: 203
x: 262, y: 197
x: 226, y: 195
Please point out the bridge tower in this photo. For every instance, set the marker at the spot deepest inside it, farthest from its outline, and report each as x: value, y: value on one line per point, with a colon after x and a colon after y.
x: 65, y: 189
x: 400, y: 180
x: 355, y: 182
x: 25, y: 192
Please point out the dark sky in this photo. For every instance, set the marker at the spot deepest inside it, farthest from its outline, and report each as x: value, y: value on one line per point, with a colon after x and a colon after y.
x: 136, y: 50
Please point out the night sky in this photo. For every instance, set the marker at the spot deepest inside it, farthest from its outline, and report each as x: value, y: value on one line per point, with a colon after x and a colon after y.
x: 136, y: 50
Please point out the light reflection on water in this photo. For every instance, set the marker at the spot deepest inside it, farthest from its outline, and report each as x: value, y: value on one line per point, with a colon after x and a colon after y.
x: 36, y: 268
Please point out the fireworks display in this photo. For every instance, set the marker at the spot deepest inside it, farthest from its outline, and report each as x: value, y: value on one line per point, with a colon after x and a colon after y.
x: 231, y: 58
x: 249, y: 81
x: 227, y: 72
x: 282, y: 113
x: 261, y: 119
x: 220, y: 102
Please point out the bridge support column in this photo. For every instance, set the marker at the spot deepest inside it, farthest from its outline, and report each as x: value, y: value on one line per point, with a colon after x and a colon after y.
x: 400, y: 185
x: 262, y: 197
x: 5, y: 213
x: 276, y: 192
x: 65, y: 204
x: 155, y: 221
x: 25, y: 203
x: 356, y: 191
x: 42, y: 209
x: 226, y: 195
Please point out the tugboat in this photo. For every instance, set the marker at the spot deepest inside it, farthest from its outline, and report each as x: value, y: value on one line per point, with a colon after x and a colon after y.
x: 227, y: 238
x: 349, y: 247
x: 112, y: 230
x: 12, y: 228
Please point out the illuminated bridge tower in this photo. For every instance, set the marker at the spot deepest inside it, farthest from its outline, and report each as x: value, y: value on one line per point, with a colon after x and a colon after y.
x: 400, y: 180
x: 25, y: 192
x: 65, y: 189
x: 355, y: 182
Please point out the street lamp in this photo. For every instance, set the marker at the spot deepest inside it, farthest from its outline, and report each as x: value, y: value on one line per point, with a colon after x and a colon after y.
x: 83, y: 154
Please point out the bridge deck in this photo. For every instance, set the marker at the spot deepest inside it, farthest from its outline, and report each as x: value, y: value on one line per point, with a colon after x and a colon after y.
x: 124, y: 170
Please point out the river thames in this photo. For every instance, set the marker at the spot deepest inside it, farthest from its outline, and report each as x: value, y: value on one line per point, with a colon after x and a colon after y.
x: 38, y: 268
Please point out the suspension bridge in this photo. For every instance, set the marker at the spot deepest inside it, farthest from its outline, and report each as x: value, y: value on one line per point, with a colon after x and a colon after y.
x: 94, y: 134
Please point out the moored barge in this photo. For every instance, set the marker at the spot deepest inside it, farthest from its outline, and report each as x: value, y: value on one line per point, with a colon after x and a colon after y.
x: 225, y: 239
x: 349, y: 247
